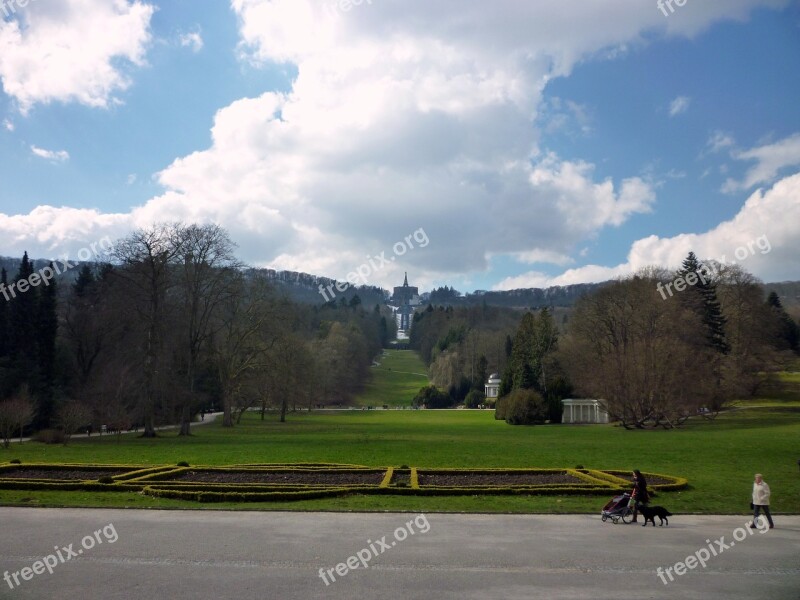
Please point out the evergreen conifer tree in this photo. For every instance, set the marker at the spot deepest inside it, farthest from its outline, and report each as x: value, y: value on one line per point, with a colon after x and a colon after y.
x: 789, y: 331
x: 3, y: 316
x: 47, y: 328
x: 702, y: 298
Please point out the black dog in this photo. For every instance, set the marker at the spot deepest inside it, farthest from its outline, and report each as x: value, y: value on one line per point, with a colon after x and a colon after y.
x: 651, y: 512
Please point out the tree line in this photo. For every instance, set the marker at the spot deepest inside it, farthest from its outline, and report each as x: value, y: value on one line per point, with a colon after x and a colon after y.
x: 656, y: 361
x: 172, y: 324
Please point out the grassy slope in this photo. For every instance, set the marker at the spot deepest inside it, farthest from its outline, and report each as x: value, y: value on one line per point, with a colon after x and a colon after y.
x: 718, y: 458
x: 396, y: 381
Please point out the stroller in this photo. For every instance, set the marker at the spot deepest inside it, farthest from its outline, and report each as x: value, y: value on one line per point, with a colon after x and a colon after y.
x: 617, y: 508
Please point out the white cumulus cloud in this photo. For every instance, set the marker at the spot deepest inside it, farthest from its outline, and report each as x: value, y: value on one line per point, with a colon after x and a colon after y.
x: 72, y: 50
x: 403, y: 117
x: 192, y: 40
x: 679, y: 105
x: 770, y: 160
x: 762, y: 237
x: 52, y: 155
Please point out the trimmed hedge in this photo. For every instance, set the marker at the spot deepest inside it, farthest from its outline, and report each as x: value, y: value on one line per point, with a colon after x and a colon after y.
x: 676, y: 483
x: 387, y: 478
x: 414, y: 478
x: 203, y: 496
x: 80, y: 486
x: 293, y: 466
x: 142, y: 473
x: 158, y: 481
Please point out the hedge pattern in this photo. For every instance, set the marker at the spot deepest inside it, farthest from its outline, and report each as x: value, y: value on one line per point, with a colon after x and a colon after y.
x: 160, y: 481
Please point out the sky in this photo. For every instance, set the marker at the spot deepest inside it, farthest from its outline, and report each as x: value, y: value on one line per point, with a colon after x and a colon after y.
x: 481, y: 145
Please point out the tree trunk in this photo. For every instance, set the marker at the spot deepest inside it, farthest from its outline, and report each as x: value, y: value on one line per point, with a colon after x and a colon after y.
x: 227, y: 416
x: 186, y: 419
x: 149, y: 428
x: 284, y: 408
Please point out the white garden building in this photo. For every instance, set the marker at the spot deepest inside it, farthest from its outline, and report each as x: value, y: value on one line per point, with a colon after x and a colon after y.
x: 584, y: 411
x: 492, y: 387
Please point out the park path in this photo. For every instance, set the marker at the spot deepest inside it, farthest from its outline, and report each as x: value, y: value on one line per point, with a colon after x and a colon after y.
x: 209, y: 418
x: 410, y: 373
x: 201, y: 554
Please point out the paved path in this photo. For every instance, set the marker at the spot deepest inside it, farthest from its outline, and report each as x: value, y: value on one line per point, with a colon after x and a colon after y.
x: 210, y: 417
x: 193, y: 555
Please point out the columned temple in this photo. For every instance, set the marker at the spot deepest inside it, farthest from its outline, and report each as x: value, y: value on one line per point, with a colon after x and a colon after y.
x: 584, y: 411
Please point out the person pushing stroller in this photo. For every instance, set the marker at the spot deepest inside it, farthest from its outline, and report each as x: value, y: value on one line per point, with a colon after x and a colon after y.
x: 639, y: 493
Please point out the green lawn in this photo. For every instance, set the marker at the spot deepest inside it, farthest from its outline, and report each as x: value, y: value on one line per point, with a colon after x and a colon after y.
x: 790, y: 377
x: 718, y: 458
x: 396, y: 381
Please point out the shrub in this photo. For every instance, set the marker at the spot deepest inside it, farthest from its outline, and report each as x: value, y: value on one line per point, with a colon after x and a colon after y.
x: 474, y: 399
x: 105, y: 479
x: 72, y: 416
x: 15, y: 461
x: 183, y: 463
x: 521, y: 407
x: 432, y: 397
x: 458, y: 392
x: 50, y: 436
x: 501, y: 408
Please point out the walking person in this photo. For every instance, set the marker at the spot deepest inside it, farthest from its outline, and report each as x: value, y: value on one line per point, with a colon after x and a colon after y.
x: 760, y: 500
x: 639, y: 494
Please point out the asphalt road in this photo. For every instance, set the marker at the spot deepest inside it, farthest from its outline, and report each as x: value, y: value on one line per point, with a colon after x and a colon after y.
x: 192, y: 555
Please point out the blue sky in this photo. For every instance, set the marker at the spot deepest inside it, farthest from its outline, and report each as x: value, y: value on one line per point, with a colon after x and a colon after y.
x: 535, y: 144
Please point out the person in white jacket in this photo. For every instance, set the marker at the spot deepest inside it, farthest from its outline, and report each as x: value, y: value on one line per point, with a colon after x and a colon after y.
x: 761, y: 500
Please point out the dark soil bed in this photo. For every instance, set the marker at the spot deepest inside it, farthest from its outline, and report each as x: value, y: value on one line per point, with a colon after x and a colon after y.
x: 499, y: 479
x: 402, y: 479
x: 296, y: 477
x: 71, y: 474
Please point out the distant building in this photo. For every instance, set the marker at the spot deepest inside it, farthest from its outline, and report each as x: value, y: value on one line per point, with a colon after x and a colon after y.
x: 405, y: 298
x: 584, y: 411
x: 492, y: 387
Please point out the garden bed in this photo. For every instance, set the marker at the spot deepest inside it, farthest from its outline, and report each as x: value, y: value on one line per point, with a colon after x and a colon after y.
x: 286, y: 477
x: 59, y: 474
x: 285, y: 482
x: 496, y: 478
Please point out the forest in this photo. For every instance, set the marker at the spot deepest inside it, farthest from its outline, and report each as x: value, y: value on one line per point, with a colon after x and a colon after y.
x: 172, y: 324
x: 656, y: 361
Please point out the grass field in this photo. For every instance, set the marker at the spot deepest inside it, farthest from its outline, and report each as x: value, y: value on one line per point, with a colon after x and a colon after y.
x: 396, y: 381
x: 719, y: 458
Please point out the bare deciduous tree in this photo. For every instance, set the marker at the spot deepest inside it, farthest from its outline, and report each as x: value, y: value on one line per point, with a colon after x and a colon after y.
x: 206, y: 279
x: 72, y: 416
x: 16, y: 413
x: 238, y: 346
x: 645, y: 356
x: 146, y: 257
